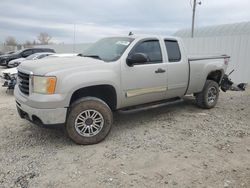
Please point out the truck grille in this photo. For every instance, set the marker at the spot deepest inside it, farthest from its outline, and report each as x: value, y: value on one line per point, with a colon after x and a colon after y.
x: 23, y: 82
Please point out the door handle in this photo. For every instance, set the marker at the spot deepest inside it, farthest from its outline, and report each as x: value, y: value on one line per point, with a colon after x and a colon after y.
x: 160, y: 70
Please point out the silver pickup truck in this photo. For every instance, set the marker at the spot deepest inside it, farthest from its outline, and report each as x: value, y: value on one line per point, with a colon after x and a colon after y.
x: 113, y: 74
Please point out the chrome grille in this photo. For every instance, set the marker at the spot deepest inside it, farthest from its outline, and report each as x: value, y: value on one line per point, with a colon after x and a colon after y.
x: 23, y: 82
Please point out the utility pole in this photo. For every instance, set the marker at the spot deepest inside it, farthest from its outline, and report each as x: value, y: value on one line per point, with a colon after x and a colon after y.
x: 74, y: 38
x: 193, y: 18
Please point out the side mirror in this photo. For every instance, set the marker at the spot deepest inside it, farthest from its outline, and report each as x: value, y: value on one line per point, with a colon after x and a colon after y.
x: 137, y: 58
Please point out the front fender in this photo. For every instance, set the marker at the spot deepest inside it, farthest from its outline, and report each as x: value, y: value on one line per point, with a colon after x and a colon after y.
x: 70, y: 83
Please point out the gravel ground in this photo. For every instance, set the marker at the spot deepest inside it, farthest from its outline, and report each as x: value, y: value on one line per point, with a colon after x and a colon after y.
x: 176, y: 145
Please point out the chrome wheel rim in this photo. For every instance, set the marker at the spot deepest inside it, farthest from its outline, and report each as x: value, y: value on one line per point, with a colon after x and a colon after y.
x: 89, y: 123
x: 212, y: 95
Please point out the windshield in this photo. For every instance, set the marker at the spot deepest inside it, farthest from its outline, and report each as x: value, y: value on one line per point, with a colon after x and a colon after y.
x: 31, y: 57
x: 108, y: 49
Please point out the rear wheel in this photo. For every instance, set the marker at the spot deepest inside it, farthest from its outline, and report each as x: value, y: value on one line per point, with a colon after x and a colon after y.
x: 89, y: 121
x: 209, y: 96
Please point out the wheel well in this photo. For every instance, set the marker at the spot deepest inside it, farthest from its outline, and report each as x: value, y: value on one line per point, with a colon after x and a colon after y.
x: 106, y: 93
x: 215, y: 76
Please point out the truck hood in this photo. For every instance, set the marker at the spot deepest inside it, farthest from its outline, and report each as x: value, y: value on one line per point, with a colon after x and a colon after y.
x: 49, y: 65
x: 17, y: 60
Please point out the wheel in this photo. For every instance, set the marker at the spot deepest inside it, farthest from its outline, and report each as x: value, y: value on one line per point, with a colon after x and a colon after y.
x: 209, y: 96
x: 89, y: 121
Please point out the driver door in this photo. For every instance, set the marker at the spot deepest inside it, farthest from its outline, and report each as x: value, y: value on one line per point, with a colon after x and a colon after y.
x: 144, y: 82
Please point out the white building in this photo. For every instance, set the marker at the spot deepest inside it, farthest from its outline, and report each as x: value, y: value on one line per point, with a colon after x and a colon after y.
x: 230, y: 39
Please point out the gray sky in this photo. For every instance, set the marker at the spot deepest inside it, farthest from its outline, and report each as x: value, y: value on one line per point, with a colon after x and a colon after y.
x: 24, y: 19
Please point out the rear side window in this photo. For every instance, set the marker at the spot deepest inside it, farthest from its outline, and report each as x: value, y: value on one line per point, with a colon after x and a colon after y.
x: 152, y: 49
x: 27, y: 53
x: 50, y: 50
x: 44, y: 50
x: 174, y: 54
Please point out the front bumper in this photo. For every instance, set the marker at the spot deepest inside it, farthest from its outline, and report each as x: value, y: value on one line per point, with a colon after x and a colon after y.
x: 41, y: 116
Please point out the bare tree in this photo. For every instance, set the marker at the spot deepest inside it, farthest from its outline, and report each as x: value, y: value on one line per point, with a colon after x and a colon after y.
x: 44, y: 38
x: 27, y: 44
x: 34, y: 42
x: 10, y: 41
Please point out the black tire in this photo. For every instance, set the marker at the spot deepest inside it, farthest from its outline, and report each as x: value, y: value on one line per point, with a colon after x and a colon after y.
x: 83, y: 105
x: 203, y: 100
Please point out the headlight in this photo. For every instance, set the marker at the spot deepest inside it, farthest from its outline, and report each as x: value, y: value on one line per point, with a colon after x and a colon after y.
x: 44, y: 84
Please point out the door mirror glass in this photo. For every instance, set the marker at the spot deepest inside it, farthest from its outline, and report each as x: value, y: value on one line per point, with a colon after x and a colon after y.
x: 137, y: 58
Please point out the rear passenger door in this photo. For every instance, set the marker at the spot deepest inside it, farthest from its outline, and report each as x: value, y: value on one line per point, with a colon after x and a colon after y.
x: 177, y: 69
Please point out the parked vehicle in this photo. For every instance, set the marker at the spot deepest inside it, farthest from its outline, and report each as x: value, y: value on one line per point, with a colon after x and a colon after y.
x: 4, y: 60
x: 16, y: 62
x: 63, y: 55
x: 9, y: 76
x: 117, y: 73
x: 9, y: 52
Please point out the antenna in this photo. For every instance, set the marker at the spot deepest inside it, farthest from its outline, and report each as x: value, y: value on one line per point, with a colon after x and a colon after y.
x: 130, y: 33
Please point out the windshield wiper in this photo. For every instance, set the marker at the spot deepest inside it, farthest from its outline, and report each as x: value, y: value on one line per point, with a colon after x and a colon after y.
x: 92, y: 56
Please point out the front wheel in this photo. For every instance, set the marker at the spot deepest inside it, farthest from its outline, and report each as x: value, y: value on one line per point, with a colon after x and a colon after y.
x: 209, y: 96
x: 89, y: 121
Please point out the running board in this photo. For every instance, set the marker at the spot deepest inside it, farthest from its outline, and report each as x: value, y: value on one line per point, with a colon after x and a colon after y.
x: 149, y: 106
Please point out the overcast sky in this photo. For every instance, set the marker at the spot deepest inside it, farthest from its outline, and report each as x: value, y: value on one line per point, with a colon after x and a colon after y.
x: 24, y: 19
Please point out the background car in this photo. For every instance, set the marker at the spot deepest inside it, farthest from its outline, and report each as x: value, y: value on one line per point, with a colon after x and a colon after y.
x: 5, y: 59
x: 8, y: 76
x: 16, y: 62
x: 63, y: 55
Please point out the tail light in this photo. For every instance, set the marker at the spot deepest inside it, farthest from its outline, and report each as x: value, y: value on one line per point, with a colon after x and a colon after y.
x: 226, y: 61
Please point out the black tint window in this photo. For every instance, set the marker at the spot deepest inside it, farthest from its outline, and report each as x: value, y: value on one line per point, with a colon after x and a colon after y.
x: 39, y: 50
x: 174, y: 54
x: 27, y: 53
x: 41, y: 56
x: 47, y: 50
x: 151, y: 48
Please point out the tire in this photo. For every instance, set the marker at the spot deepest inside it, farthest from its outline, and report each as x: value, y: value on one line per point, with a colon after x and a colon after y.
x: 209, y: 96
x: 84, y: 129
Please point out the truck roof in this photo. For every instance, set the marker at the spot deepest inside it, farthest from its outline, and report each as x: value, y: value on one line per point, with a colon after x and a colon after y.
x: 141, y: 36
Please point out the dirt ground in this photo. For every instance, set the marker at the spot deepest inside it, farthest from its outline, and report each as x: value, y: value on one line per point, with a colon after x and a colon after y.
x: 176, y: 145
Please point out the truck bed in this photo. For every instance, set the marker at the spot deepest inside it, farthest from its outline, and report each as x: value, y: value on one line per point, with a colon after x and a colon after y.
x: 202, y: 65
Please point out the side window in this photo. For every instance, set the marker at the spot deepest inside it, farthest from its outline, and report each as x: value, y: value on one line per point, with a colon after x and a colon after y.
x: 38, y: 50
x: 174, y: 54
x: 27, y: 53
x: 42, y: 56
x: 152, y: 49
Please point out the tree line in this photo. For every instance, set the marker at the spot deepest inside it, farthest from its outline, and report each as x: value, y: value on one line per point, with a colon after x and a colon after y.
x: 42, y: 39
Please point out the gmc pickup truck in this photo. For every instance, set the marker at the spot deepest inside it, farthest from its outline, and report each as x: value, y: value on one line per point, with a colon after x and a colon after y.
x: 113, y: 74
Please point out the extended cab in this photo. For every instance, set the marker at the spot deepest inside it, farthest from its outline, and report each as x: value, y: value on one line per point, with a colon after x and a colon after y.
x: 114, y: 73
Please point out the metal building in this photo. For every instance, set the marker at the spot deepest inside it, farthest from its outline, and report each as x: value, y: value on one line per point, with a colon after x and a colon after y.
x: 230, y: 39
